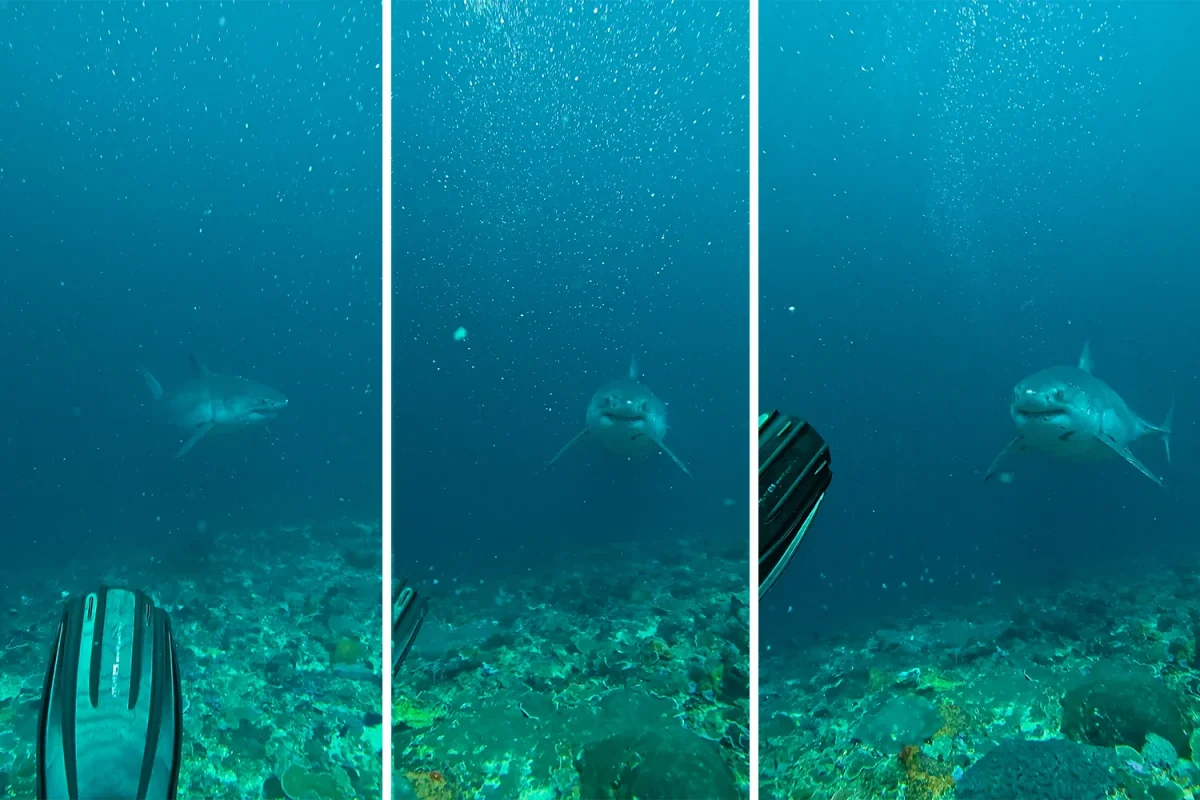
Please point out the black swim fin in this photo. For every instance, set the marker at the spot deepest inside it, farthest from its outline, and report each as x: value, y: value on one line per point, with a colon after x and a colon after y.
x: 408, y: 612
x: 111, y: 723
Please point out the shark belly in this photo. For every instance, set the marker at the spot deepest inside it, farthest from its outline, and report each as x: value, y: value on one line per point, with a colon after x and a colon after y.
x: 189, y: 412
x: 1080, y: 447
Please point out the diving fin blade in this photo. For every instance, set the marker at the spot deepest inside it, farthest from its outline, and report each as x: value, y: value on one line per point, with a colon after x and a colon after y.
x: 124, y: 741
x: 408, y: 612
x: 675, y: 458
x: 204, y: 428
x: 567, y: 446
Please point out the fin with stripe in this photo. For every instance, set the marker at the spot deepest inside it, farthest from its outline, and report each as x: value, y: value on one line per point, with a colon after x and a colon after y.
x: 408, y: 612
x: 111, y: 721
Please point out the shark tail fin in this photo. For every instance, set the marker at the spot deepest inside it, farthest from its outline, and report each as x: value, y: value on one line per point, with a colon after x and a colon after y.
x: 152, y: 384
x: 633, y: 368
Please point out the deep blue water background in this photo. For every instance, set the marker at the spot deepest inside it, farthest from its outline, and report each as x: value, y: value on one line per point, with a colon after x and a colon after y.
x: 571, y: 188
x: 202, y: 178
x: 945, y: 220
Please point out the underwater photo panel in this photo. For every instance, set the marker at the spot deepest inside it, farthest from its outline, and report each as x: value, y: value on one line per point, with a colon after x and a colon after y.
x: 978, y: 370
x: 191, y: 524
x: 571, y: 379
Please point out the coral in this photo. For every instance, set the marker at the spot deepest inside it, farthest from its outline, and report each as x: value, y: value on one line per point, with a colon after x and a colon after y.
x: 348, y: 651
x: 667, y: 763
x: 10, y: 686
x: 927, y: 778
x: 659, y: 646
x: 1158, y: 752
x: 1040, y: 770
x: 903, y: 720
x: 300, y: 784
x: 954, y: 720
x: 22, y: 777
x: 878, y: 679
x: 1182, y: 648
x: 407, y: 712
x: 937, y: 681
x: 1117, y: 706
x: 431, y: 785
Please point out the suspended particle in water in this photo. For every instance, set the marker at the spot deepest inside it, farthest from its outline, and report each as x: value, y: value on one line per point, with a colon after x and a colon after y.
x: 460, y: 335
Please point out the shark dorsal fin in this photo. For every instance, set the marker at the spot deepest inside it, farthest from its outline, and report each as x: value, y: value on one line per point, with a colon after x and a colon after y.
x: 198, y: 366
x: 1085, y: 358
x: 633, y: 370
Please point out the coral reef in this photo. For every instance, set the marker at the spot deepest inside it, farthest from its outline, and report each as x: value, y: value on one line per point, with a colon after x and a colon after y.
x: 549, y: 685
x: 1087, y: 690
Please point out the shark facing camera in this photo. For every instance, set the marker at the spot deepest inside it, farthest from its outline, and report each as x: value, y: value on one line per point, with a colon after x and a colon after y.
x: 1068, y: 413
x: 626, y: 418
x: 111, y: 720
x: 793, y: 476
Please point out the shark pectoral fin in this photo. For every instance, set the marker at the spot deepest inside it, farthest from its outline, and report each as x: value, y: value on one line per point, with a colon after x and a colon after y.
x: 1126, y: 454
x: 156, y: 390
x: 1165, y: 429
x: 567, y: 446
x: 201, y: 429
x: 1016, y: 444
x: 674, y: 458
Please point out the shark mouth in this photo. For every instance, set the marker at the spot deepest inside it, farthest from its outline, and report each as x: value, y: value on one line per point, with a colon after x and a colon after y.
x: 623, y: 414
x: 1045, y: 413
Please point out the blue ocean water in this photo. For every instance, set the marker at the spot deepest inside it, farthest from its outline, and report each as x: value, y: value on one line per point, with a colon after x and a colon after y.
x: 571, y: 193
x: 197, y: 179
x: 955, y: 196
x: 953, y: 200
x: 186, y: 179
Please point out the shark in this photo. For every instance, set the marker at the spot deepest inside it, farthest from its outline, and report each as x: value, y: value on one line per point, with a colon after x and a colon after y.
x: 208, y: 401
x: 626, y: 418
x: 1069, y: 413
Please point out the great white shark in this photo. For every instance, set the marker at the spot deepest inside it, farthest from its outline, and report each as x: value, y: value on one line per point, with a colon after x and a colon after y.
x: 626, y: 418
x: 1070, y: 413
x: 208, y: 401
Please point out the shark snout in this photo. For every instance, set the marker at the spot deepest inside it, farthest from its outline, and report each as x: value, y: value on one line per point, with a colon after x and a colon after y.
x: 275, y: 403
x: 617, y: 408
x: 1039, y: 398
